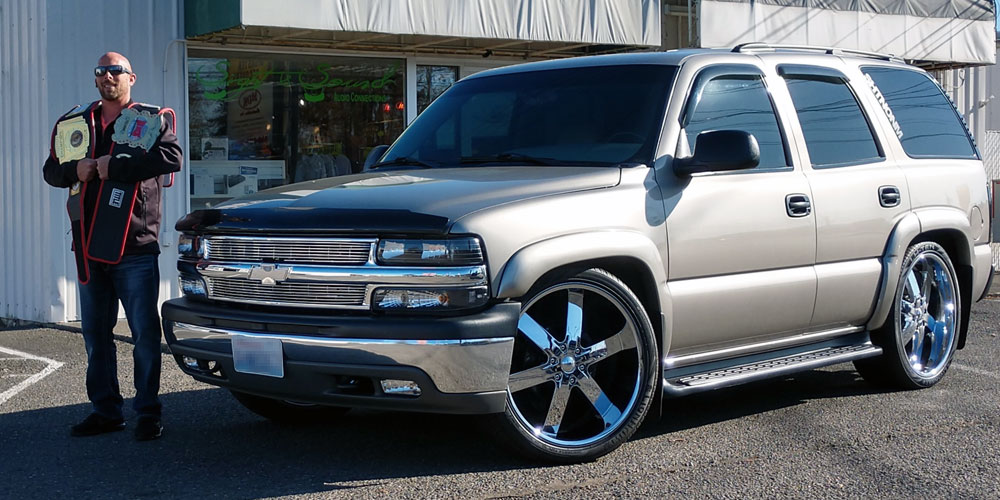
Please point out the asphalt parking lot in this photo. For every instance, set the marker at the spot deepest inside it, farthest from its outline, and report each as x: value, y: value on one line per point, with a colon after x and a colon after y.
x: 824, y: 433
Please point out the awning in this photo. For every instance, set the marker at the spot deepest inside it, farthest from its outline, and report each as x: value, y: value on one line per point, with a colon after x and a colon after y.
x: 936, y: 32
x: 523, y: 28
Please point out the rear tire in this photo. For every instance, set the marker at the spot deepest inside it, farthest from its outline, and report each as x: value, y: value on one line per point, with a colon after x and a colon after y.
x: 920, y: 336
x: 583, y: 371
x: 288, y: 412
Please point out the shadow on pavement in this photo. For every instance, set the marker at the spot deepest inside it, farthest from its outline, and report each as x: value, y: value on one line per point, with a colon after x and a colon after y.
x: 758, y: 397
x: 212, y: 447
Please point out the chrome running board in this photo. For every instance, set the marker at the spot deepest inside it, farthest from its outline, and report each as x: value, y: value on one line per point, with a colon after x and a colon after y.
x: 736, y: 371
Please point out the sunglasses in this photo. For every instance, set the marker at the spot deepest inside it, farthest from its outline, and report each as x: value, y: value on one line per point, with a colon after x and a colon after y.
x: 114, y: 69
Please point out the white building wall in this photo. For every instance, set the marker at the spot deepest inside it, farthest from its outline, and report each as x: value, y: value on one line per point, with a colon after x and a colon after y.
x: 48, y: 49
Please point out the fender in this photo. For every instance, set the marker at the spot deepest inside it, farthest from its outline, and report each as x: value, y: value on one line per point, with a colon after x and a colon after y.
x: 908, y: 229
x: 938, y: 218
x: 530, y: 263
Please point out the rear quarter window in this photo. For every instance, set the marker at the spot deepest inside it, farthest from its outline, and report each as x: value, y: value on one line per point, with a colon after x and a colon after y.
x: 922, y: 116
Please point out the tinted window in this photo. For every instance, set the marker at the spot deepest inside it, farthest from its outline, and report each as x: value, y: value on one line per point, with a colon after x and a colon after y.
x: 835, y: 128
x: 593, y: 115
x: 921, y: 115
x: 738, y: 103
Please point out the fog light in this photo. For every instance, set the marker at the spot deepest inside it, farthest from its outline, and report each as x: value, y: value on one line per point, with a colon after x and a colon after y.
x: 191, y: 285
x: 400, y: 387
x: 190, y: 362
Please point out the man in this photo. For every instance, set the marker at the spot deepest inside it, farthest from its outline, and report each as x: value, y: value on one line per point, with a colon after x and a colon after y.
x: 112, y: 156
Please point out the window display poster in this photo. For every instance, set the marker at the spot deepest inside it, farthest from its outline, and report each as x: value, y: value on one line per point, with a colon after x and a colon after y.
x: 243, y: 183
x: 249, y: 117
x: 226, y: 179
x: 215, y: 148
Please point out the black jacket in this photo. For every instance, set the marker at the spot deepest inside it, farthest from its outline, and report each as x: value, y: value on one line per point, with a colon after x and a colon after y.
x: 163, y: 158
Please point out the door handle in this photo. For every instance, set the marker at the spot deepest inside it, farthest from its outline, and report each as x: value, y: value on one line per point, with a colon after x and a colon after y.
x: 798, y: 205
x: 888, y: 196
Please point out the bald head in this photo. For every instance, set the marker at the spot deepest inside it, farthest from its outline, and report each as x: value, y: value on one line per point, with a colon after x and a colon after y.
x: 115, y: 88
x: 114, y: 58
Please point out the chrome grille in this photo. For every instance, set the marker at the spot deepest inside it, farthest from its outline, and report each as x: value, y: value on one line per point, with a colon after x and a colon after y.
x: 291, y: 250
x: 286, y: 293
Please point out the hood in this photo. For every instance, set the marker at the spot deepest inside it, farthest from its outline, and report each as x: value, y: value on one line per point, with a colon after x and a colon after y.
x: 405, y: 201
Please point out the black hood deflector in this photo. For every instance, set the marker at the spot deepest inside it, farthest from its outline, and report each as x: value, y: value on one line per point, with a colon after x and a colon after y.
x: 311, y: 220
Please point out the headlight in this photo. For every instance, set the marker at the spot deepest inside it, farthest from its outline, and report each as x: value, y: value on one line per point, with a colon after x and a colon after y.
x: 451, y: 252
x: 189, y: 245
x: 427, y: 299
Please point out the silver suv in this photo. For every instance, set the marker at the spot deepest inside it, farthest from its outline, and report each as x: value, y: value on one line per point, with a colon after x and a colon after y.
x: 567, y: 243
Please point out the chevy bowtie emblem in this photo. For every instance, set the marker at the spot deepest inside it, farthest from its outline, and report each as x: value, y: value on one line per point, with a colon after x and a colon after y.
x: 269, y: 274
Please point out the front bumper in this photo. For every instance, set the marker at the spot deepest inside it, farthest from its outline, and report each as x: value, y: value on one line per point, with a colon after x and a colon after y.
x: 460, y: 363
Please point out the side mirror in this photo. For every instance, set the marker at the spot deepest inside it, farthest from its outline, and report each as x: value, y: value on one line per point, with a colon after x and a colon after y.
x: 374, y: 156
x: 720, y: 150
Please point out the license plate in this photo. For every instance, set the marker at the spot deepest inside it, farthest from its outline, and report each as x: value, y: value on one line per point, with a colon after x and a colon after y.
x: 259, y: 356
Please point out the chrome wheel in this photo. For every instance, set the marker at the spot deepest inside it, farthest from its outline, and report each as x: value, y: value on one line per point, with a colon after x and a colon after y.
x: 581, y: 376
x: 919, y: 337
x: 927, y: 312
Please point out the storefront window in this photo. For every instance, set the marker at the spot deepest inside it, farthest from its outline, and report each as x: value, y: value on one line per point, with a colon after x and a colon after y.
x: 432, y: 81
x: 264, y: 120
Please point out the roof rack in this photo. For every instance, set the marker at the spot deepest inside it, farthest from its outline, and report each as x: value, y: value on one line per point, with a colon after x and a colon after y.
x: 768, y: 47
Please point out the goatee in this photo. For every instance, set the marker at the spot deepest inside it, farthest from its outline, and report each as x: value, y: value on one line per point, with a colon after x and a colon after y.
x: 110, y: 94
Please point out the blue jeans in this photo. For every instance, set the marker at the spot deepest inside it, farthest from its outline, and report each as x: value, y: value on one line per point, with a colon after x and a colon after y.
x: 135, y: 281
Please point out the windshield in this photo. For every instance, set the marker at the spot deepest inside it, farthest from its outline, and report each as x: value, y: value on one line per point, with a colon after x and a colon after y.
x: 603, y: 115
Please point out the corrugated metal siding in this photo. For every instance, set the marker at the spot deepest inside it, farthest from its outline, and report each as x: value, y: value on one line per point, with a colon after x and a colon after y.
x: 30, y: 283
x: 47, y: 53
x: 967, y: 89
x: 991, y: 160
x: 993, y: 96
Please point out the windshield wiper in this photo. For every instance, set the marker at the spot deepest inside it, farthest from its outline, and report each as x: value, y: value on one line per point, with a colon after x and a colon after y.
x: 403, y: 161
x: 511, y: 157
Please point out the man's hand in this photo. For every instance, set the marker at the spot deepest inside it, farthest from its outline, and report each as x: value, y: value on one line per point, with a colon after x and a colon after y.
x: 86, y: 169
x: 102, y: 167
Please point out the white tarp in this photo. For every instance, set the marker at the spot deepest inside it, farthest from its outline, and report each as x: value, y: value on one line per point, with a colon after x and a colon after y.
x: 949, y: 31
x: 615, y: 22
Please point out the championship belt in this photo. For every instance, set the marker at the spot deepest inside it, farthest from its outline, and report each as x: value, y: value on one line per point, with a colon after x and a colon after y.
x: 72, y: 139
x: 136, y: 131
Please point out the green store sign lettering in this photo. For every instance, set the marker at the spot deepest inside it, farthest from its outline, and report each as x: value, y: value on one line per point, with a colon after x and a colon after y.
x: 314, y: 82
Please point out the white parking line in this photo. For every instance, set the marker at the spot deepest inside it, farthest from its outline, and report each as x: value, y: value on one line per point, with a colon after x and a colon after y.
x: 977, y: 371
x: 51, y: 366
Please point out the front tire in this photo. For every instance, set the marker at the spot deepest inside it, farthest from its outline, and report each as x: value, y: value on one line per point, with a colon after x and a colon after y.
x: 920, y: 337
x: 583, y: 370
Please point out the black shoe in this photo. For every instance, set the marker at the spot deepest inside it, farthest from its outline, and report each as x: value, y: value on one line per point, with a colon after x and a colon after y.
x: 148, y: 428
x: 96, y: 424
